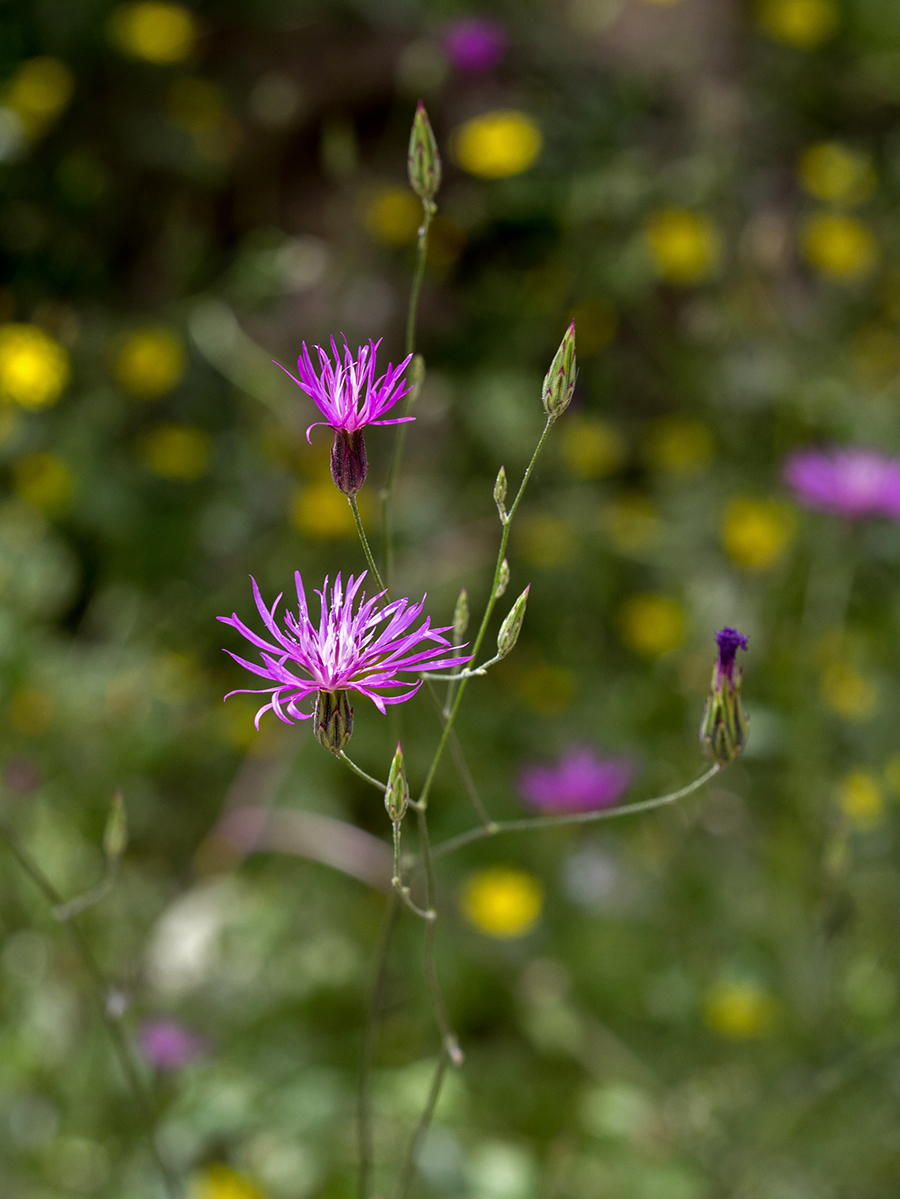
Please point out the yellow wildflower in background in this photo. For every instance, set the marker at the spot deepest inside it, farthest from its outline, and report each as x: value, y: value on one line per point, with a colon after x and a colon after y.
x: 683, y: 245
x: 592, y: 448
x: 756, y: 533
x: 847, y: 692
x: 221, y: 1182
x: 497, y: 145
x: 150, y: 361
x: 652, y: 625
x: 34, y: 369
x: 157, y: 32
x: 861, y: 801
x: 179, y: 452
x: 393, y: 216
x: 320, y: 510
x: 633, y: 523
x: 31, y: 711
x: 38, y: 92
x: 678, y: 445
x: 801, y: 23
x: 502, y: 902
x: 839, y: 246
x: 42, y: 480
x: 836, y: 173
x: 596, y: 322
x: 546, y: 689
x: 739, y: 1010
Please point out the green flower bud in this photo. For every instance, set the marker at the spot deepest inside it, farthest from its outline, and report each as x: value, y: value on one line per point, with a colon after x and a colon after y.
x: 461, y: 617
x: 423, y: 160
x: 333, y: 720
x: 500, y: 492
x: 559, y: 382
x: 115, y: 835
x: 512, y: 626
x: 502, y: 579
x: 396, y: 798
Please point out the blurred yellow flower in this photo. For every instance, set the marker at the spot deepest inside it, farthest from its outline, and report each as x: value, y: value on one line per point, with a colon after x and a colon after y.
x: 546, y: 541
x: 502, y: 902
x: 848, y: 693
x: 839, y: 246
x: 320, y: 510
x: 31, y: 711
x: 155, y: 31
x: 633, y: 523
x: 801, y: 23
x: 34, y: 369
x: 150, y: 361
x: 498, y: 144
x: 595, y: 325
x: 683, y: 245
x: 861, y: 801
x: 756, y: 533
x: 652, y: 625
x: 38, y: 92
x: 591, y: 448
x: 740, y: 1010
x: 42, y: 480
x: 393, y: 216
x: 221, y: 1182
x: 836, y: 173
x: 678, y: 445
x: 547, y: 690
x: 176, y: 451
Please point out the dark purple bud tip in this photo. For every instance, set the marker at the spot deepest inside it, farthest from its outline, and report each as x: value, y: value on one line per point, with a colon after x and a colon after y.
x: 349, y: 465
x: 729, y: 642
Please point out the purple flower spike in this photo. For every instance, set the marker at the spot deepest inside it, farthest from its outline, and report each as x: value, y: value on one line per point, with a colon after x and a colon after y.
x: 729, y: 642
x: 858, y: 483
x: 166, y: 1045
x: 356, y: 646
x: 475, y: 45
x: 346, y: 391
x: 580, y: 782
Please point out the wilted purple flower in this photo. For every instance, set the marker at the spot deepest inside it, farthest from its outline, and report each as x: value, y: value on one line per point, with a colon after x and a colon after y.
x: 579, y: 782
x: 725, y: 727
x: 365, y: 650
x: 858, y: 483
x: 167, y: 1045
x: 729, y: 642
x: 475, y: 44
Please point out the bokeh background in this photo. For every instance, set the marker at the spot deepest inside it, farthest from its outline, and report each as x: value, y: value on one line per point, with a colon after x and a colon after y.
x: 698, y: 1003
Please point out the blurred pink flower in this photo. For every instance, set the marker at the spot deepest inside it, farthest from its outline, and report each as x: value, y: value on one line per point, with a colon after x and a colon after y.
x: 580, y: 782
x: 166, y: 1045
x: 475, y: 45
x: 858, y: 483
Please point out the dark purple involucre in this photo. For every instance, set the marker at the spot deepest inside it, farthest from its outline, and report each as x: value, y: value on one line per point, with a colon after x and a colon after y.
x: 729, y: 642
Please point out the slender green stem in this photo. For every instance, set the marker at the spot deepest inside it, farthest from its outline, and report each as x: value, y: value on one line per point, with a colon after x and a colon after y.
x: 448, y: 1036
x: 415, y: 1144
x: 429, y: 208
x: 361, y: 773
x: 537, y: 822
x: 100, y: 990
x: 354, y: 508
x: 397, y: 882
x: 462, y: 766
x: 370, y: 1035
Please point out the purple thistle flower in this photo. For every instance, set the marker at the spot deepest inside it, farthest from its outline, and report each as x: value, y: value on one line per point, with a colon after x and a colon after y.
x: 858, y: 483
x: 475, y: 45
x: 729, y: 642
x: 579, y: 782
x: 364, y: 650
x: 166, y: 1045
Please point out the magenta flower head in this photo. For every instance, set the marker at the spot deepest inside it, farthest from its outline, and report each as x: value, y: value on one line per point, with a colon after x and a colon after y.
x: 475, y: 45
x: 725, y: 728
x: 356, y: 646
x: 166, y: 1045
x: 858, y: 483
x: 580, y: 782
x: 349, y: 396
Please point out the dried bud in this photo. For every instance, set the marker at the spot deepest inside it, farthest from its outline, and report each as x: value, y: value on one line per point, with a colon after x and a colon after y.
x: 461, y: 617
x: 500, y: 492
x: 724, y: 731
x: 115, y: 835
x: 333, y: 720
x: 502, y: 579
x: 512, y: 626
x: 396, y: 798
x: 560, y: 379
x: 423, y: 160
x: 349, y: 465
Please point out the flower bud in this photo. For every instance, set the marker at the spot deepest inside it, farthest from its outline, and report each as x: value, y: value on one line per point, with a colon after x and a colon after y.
x: 559, y: 382
x: 724, y: 731
x: 423, y: 160
x: 349, y: 465
x: 461, y: 617
x: 333, y: 720
x: 115, y: 835
x: 512, y: 626
x: 500, y: 492
x: 396, y: 798
x: 502, y: 579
